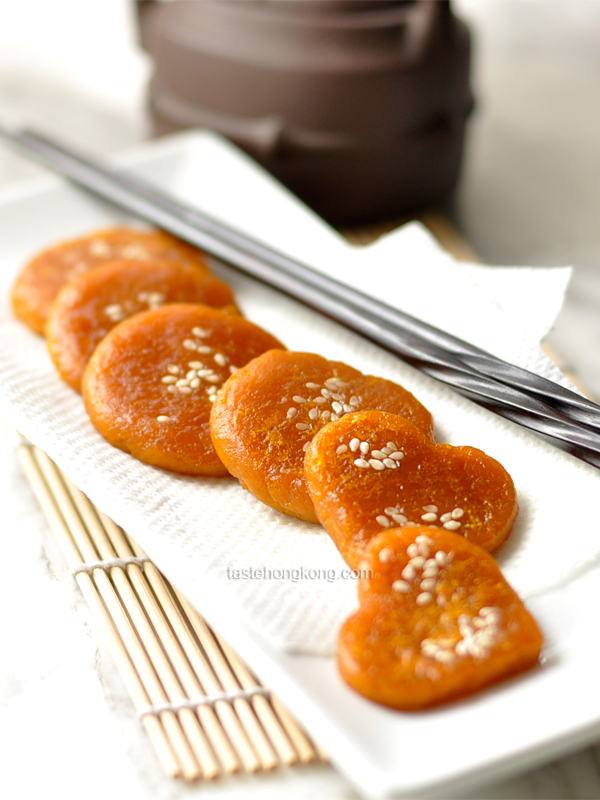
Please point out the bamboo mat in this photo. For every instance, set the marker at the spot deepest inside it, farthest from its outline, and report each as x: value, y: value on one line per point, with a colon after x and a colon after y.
x: 205, y: 713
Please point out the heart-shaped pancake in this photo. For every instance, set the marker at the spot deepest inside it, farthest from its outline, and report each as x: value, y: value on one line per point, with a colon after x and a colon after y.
x: 264, y: 417
x: 372, y: 470
x: 437, y: 621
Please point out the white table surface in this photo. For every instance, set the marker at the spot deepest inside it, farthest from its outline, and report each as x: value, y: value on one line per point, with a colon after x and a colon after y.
x: 530, y: 195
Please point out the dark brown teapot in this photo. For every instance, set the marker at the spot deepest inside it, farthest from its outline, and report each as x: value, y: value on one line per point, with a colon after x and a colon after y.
x: 358, y: 107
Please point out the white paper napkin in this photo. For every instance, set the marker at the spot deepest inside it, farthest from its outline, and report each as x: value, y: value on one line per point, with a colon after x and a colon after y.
x: 201, y: 531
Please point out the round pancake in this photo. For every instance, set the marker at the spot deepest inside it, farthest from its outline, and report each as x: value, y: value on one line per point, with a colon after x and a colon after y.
x: 266, y: 415
x: 150, y: 383
x: 44, y: 276
x: 90, y: 305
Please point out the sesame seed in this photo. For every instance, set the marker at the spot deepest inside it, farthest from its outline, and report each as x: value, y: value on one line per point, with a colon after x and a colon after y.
x: 337, y: 397
x: 172, y: 389
x: 423, y: 599
x: 409, y: 572
x: 417, y: 561
x: 397, y: 455
x: 302, y: 426
x: 428, y: 584
x: 382, y: 520
x: 306, y: 446
x: 200, y: 332
x: 378, y: 465
x: 326, y: 393
x: 99, y: 248
x: 220, y: 359
x: 325, y: 415
x: 182, y: 382
x: 195, y: 383
x: 204, y: 349
x: 457, y: 513
x: 444, y: 655
x: 173, y: 369
x: 430, y: 572
x: 364, y: 447
x: 313, y: 413
x: 195, y: 365
x: 337, y: 408
x: 204, y: 373
x: 189, y: 344
x: 431, y: 563
x: 446, y: 517
x: 429, y: 517
x: 297, y: 399
x: 233, y: 369
x: 431, y: 509
x: 401, y: 586
x: 488, y: 611
x: 413, y: 550
x: 452, y: 525
x: 399, y: 519
x: 360, y: 462
x: 429, y: 649
x: 460, y: 648
x: 213, y: 378
x: 354, y: 445
x: 385, y: 554
x: 354, y: 401
x: 378, y: 454
x: 341, y: 449
x: 191, y: 374
x: 331, y: 383
x: 424, y: 549
x: 441, y: 557
x: 423, y: 538
x: 291, y: 412
x: 310, y: 385
x: 347, y: 408
x: 169, y: 379
x: 114, y: 308
x: 163, y: 418
x: 333, y: 417
x: 392, y: 446
x: 185, y: 390
x: 320, y: 400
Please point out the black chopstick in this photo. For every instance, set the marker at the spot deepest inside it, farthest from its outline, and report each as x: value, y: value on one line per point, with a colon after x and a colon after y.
x: 571, y: 421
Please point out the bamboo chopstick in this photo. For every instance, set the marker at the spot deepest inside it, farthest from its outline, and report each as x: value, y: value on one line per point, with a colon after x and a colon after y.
x: 204, y: 712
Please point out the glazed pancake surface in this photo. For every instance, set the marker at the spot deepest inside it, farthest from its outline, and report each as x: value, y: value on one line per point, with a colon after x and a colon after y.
x: 42, y: 278
x: 268, y: 412
x: 150, y: 383
x: 91, y: 304
x: 372, y: 470
x: 437, y: 621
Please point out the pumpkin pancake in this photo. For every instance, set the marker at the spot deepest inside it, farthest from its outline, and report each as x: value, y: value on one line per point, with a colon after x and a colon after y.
x: 44, y: 276
x: 437, y: 621
x: 90, y: 305
x: 372, y: 470
x: 267, y: 413
x: 150, y: 383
